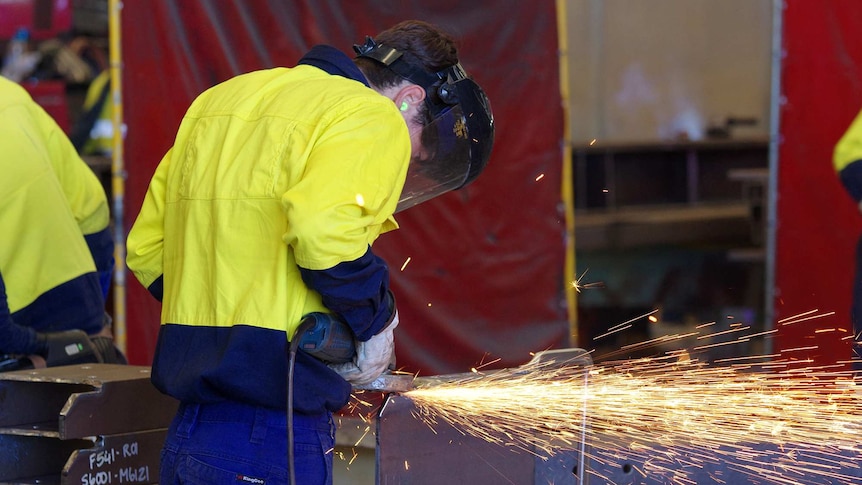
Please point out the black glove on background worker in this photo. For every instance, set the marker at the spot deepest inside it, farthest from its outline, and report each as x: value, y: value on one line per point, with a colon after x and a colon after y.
x: 55, y: 349
x: 67, y: 347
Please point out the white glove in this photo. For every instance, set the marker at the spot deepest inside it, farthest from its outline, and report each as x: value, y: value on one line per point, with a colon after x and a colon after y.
x: 372, y: 357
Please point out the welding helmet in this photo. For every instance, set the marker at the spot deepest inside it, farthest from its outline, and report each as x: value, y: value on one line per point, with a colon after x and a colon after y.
x: 457, y: 137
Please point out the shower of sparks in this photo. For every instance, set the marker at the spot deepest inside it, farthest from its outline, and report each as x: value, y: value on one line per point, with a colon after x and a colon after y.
x: 406, y: 262
x: 762, y: 416
x: 540, y: 177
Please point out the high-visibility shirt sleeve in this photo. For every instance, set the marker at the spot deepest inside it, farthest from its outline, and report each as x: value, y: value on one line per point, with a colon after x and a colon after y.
x: 357, y: 291
x: 145, y: 244
x: 349, y: 189
x: 345, y: 200
x: 82, y: 188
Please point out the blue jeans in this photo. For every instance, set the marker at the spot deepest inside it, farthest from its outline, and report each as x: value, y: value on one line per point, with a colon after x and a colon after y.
x: 233, y: 443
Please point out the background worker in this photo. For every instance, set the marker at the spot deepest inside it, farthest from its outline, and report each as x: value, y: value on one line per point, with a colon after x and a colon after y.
x: 57, y: 251
x: 847, y: 160
x: 264, y: 210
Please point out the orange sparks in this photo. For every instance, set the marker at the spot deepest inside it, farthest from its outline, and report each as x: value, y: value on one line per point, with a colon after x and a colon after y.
x: 664, y: 411
x: 761, y: 414
x: 578, y: 286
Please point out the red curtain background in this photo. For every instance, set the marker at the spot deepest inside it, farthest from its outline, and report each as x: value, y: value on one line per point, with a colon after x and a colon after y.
x: 484, y: 266
x: 817, y: 222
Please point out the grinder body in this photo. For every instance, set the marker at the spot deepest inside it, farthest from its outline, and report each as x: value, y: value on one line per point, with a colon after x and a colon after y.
x: 326, y: 337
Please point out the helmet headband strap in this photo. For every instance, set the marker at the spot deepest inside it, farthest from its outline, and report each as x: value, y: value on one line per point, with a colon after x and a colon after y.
x: 438, y: 86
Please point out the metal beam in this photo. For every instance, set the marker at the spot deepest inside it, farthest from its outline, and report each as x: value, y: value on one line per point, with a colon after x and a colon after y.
x: 82, y: 424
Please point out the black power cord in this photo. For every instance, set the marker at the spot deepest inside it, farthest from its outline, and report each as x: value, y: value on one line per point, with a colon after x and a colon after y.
x: 291, y: 363
x: 326, y: 338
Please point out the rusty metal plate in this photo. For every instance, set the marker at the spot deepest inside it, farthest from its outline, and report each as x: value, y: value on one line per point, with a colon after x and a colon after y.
x: 34, y: 459
x: 82, y: 400
x: 127, y: 458
x: 82, y: 424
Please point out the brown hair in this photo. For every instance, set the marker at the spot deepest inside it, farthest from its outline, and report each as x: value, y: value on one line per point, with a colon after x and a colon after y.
x: 420, y: 43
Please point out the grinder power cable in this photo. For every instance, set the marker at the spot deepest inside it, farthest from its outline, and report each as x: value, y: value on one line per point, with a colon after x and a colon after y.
x: 329, y: 339
x: 324, y: 337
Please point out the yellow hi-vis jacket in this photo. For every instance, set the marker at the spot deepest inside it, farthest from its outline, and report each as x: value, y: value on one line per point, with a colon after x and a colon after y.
x: 269, y: 171
x: 49, y: 200
x: 847, y: 158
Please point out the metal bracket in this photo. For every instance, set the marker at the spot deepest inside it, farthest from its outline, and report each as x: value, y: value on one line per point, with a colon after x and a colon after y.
x: 408, y: 451
x: 82, y: 424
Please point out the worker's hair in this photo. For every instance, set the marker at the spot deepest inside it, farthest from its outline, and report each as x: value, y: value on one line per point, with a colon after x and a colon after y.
x: 421, y: 44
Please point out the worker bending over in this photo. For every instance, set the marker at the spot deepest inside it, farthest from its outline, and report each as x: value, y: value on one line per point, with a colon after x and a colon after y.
x: 264, y: 210
x: 56, y: 254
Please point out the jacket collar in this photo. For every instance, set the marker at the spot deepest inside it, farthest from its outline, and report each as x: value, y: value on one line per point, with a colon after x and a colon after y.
x: 334, y: 62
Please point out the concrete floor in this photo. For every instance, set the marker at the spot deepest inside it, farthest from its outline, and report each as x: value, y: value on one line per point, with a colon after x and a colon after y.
x: 354, y: 455
x: 353, y: 466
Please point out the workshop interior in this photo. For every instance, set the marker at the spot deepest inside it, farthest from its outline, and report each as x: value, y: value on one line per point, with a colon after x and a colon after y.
x: 659, y: 168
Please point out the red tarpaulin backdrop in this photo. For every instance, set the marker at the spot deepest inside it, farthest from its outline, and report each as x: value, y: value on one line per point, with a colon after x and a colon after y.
x: 485, y: 273
x: 817, y: 222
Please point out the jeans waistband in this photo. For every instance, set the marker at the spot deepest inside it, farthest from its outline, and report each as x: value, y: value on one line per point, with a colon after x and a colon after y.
x: 258, y: 417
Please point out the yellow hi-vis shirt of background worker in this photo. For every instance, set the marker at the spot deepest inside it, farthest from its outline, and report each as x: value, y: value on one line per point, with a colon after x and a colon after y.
x: 44, y: 180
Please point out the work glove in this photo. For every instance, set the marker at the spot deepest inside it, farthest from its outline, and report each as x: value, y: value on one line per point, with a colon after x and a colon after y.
x: 65, y: 348
x: 372, y: 356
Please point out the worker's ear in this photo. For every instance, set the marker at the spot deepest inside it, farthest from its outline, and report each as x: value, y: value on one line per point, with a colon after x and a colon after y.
x: 409, y: 97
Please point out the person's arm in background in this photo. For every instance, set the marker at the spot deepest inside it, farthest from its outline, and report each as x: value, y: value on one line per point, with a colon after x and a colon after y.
x: 29, y: 348
x: 847, y: 160
x: 145, y: 243
x: 16, y: 339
